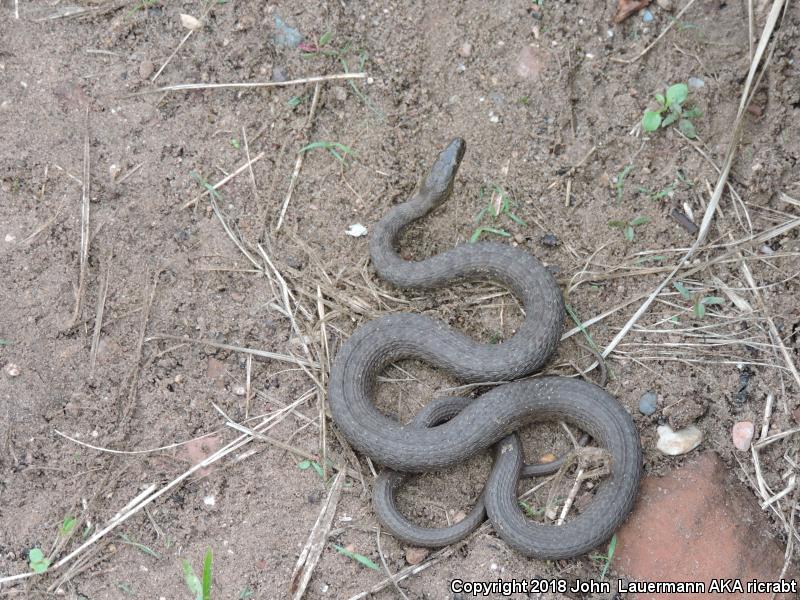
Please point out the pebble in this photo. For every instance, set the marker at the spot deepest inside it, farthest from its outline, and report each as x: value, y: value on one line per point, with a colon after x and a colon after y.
x: 340, y: 93
x: 648, y: 403
x: 675, y: 443
x: 209, y: 501
x: 459, y: 516
x: 664, y: 4
x: 647, y: 16
x: 465, y: 50
x: 356, y: 230
x: 286, y: 35
x: 742, y: 435
x: 10, y: 238
x: 696, y: 83
x: 279, y: 74
x: 12, y: 370
x: 146, y: 69
x: 549, y: 240
x: 414, y: 556
x: 547, y: 458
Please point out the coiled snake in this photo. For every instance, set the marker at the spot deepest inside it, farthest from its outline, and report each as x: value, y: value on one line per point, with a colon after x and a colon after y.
x: 451, y: 430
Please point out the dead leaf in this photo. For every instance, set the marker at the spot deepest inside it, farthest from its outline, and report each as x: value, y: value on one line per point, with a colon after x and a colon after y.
x: 626, y: 8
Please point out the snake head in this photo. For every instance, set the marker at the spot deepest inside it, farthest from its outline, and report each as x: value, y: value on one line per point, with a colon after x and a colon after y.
x: 438, y: 184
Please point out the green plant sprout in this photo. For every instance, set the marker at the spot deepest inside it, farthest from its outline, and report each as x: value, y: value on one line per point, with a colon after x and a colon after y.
x: 628, y: 226
x: 200, y: 590
x: 333, y: 147
x: 499, y: 204
x: 37, y: 561
x: 699, y: 301
x: 671, y: 105
x: 607, y: 557
x: 360, y: 558
x: 619, y: 182
x: 67, y: 526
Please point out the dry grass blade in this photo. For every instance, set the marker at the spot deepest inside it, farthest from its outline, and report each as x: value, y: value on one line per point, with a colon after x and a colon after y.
x: 185, y: 87
x: 300, y: 157
x: 98, y: 319
x: 259, y: 353
x: 236, y: 240
x: 84, y: 249
x: 312, y: 551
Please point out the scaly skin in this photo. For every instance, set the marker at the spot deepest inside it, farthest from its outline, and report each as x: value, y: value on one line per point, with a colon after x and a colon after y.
x: 497, y: 413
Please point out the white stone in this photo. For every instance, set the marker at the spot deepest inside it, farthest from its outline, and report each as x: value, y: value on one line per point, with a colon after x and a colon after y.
x: 675, y: 443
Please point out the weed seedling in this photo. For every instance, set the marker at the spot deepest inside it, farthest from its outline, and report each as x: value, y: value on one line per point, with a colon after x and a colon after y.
x: 200, y: 590
x: 360, y: 558
x: 619, y: 182
x: 67, y: 526
x: 37, y: 561
x: 606, y: 558
x: 628, y: 226
x: 671, y: 109
x: 699, y: 301
x: 333, y: 147
x: 499, y: 204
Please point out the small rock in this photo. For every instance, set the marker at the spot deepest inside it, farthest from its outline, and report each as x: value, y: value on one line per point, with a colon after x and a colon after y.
x: 215, y: 370
x: 742, y: 435
x: 190, y: 22
x: 549, y: 240
x: 286, y: 35
x: 209, y: 501
x: 239, y: 390
x: 664, y: 4
x: 10, y: 238
x: 648, y: 403
x: 547, y: 458
x: 465, y: 50
x: 675, y: 443
x: 12, y: 370
x: 340, y: 93
x: 114, y: 169
x: 356, y: 230
x: 647, y: 16
x: 519, y: 238
x: 696, y: 83
x: 414, y: 556
x: 279, y: 74
x: 459, y: 516
x: 146, y: 69
x: 493, y: 118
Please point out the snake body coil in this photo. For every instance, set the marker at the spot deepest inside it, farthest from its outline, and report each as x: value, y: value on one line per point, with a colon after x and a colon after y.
x: 428, y: 443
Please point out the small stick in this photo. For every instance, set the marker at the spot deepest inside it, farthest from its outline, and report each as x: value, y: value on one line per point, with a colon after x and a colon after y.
x: 249, y: 163
x: 566, y: 196
x: 248, y: 390
x: 298, y: 164
x: 628, y: 61
x: 129, y: 173
x: 386, y: 566
x: 256, y: 84
x: 16, y: 9
x: 224, y: 180
x: 767, y: 415
x: 571, y: 497
x: 312, y: 551
x: 98, y: 319
x: 84, y: 256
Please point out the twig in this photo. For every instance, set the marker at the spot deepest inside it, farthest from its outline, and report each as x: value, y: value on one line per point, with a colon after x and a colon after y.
x: 183, y: 41
x: 98, y: 319
x: 84, y: 249
x: 312, y: 551
x: 386, y: 566
x: 298, y: 164
x: 249, y: 163
x: 628, y: 61
x: 257, y: 84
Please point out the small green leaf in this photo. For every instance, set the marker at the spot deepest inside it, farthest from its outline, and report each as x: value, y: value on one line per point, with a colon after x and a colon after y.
x: 5, y: 342
x: 699, y: 310
x: 617, y: 223
x: 651, y: 121
x: 294, y: 101
x: 713, y: 300
x: 67, y: 526
x: 36, y: 560
x: 612, y: 546
x: 687, y: 128
x: 235, y: 143
x: 304, y: 464
x: 661, y: 100
x: 516, y: 219
x: 357, y: 557
x: 682, y: 290
x: 317, y: 467
x: 640, y: 221
x: 207, y: 575
x: 326, y: 37
x: 669, y: 119
x: 628, y: 232
x: 192, y: 581
x: 693, y: 112
x: 676, y: 94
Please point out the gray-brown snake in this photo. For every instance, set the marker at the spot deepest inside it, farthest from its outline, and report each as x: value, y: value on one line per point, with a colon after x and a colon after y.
x: 452, y: 430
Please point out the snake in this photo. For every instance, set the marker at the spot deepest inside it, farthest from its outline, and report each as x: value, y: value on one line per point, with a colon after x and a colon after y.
x: 451, y: 431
